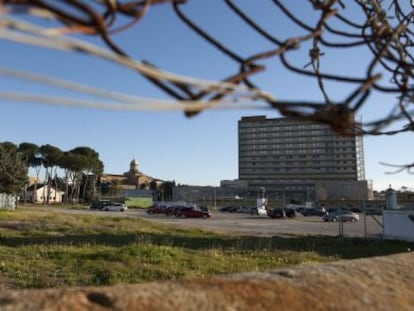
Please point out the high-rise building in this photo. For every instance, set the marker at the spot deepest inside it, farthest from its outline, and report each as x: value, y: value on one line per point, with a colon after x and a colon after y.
x: 299, y: 158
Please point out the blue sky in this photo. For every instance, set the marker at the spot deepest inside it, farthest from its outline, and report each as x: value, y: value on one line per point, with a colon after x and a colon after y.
x: 201, y: 150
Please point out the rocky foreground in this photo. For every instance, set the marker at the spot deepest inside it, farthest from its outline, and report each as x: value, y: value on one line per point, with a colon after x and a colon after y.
x: 381, y: 283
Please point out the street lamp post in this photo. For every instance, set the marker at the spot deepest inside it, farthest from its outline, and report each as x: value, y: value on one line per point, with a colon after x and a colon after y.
x: 215, y: 197
x: 340, y: 223
x: 342, y: 219
x: 365, y: 219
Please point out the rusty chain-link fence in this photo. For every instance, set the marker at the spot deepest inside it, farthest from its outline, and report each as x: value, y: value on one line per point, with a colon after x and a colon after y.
x: 383, y: 29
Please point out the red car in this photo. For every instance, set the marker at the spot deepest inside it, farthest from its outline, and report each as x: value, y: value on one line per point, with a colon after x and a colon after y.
x: 191, y: 212
x: 172, y: 209
x: 156, y: 209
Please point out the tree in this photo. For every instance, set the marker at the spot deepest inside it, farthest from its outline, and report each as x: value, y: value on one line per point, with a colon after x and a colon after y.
x: 81, y: 165
x: 28, y: 151
x: 30, y: 154
x: 73, y: 165
x: 143, y: 186
x: 153, y: 185
x: 166, y: 190
x: 82, y: 168
x: 50, y: 160
x: 93, y: 167
x: 13, y: 169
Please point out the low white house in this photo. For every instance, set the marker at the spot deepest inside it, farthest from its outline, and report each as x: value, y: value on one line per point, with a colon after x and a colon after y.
x: 398, y: 223
x: 42, y: 194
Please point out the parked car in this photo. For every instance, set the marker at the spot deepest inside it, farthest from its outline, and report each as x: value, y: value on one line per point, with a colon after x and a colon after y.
x: 191, y: 212
x: 156, y: 209
x: 281, y: 213
x: 341, y: 216
x: 373, y: 211
x: 343, y: 210
x: 204, y: 208
x: 313, y: 211
x: 99, y: 204
x: 277, y: 213
x: 114, y: 207
x: 290, y: 213
x: 173, y: 209
x: 254, y: 211
x: 229, y: 209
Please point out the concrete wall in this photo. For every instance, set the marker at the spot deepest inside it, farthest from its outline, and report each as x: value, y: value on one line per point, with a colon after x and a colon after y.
x: 399, y: 224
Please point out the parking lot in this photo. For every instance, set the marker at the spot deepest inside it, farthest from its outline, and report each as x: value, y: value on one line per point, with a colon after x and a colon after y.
x: 253, y: 225
x: 244, y: 224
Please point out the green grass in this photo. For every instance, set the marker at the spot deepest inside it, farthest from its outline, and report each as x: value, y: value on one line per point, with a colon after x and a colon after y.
x: 139, y: 202
x: 40, y: 248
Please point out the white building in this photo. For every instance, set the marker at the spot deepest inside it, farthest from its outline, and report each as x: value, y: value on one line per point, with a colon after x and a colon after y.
x: 42, y: 194
x: 398, y: 223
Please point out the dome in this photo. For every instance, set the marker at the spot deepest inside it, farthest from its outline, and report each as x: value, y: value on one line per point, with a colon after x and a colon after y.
x: 133, y: 166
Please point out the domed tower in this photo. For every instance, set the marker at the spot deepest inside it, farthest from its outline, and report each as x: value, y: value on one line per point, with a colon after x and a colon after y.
x: 133, y: 175
x: 133, y: 167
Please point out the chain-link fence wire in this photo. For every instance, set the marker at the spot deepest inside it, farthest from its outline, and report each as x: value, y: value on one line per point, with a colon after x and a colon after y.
x: 383, y: 28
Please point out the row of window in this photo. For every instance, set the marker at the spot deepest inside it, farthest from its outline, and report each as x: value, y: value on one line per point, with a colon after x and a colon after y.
x: 271, y: 133
x: 300, y: 153
x: 329, y: 157
x: 299, y: 168
x: 292, y: 163
x: 332, y: 136
x: 320, y: 145
x: 268, y: 126
x: 295, y: 139
x: 314, y: 175
x: 256, y: 148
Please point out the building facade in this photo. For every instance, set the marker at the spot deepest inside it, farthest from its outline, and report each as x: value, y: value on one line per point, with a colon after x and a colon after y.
x: 132, y: 179
x: 300, y: 160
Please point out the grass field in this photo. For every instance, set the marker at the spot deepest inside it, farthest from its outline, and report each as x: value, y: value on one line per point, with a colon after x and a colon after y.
x: 139, y: 202
x: 40, y: 248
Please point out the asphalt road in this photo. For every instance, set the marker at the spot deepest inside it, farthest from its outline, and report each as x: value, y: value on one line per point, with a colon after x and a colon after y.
x: 244, y: 224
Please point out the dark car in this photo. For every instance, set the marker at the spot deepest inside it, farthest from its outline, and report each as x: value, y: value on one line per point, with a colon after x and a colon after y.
x: 253, y: 211
x: 191, y: 212
x: 313, y: 212
x: 281, y: 213
x: 229, y: 209
x: 343, y: 210
x: 373, y: 211
x: 290, y: 213
x: 277, y: 213
x: 100, y: 204
x: 156, y: 209
x: 245, y: 210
